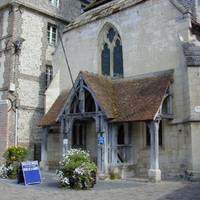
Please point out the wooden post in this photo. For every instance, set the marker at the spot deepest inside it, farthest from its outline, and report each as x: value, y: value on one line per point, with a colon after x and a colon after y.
x: 69, y: 126
x: 102, y: 149
x: 154, y: 171
x: 114, y: 144
x: 64, y: 136
x: 82, y: 98
x: 105, y: 123
x: 99, y: 148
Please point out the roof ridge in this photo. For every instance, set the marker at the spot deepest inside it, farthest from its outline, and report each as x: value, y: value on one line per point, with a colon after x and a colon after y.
x: 130, y: 78
x: 145, y: 75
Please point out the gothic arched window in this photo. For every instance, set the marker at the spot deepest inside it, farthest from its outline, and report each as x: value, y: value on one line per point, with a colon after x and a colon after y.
x: 111, y: 53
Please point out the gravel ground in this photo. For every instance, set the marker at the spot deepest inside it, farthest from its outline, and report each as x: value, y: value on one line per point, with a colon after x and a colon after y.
x: 104, y: 190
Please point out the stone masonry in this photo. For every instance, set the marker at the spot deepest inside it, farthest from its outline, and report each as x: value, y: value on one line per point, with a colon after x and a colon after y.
x: 153, y: 35
x: 22, y: 73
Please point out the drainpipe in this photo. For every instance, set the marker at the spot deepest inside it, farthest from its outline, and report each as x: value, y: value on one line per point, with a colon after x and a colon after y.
x: 16, y: 127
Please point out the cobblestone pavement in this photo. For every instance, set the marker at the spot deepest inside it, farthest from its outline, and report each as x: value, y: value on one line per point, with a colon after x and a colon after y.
x: 104, y: 190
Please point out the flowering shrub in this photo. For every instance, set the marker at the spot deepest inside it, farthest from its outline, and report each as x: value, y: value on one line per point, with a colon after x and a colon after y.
x: 14, y: 156
x: 4, y: 171
x: 76, y: 170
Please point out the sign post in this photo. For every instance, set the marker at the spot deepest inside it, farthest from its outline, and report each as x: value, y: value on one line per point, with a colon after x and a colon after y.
x: 31, y: 172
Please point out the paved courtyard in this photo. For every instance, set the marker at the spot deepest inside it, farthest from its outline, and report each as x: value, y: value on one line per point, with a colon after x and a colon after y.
x: 104, y: 190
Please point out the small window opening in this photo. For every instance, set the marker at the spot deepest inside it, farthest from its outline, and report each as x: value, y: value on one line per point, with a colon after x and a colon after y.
x: 52, y: 34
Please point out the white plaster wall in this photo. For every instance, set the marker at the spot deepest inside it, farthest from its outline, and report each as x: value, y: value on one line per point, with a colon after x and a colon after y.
x: 52, y: 92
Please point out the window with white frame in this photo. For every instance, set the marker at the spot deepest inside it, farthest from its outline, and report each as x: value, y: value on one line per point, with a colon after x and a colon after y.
x: 52, y: 34
x: 54, y: 3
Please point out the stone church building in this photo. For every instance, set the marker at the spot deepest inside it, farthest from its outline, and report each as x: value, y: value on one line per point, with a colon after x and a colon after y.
x: 28, y: 37
x: 135, y: 101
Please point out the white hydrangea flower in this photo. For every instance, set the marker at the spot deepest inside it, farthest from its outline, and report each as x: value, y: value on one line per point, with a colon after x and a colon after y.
x: 4, y: 171
x: 79, y: 171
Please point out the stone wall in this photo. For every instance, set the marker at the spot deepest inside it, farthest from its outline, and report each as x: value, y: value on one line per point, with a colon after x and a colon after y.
x: 35, y: 55
x: 192, y: 54
x: 55, y: 149
x: 67, y: 10
x: 3, y: 127
x: 4, y: 14
x: 25, y: 71
x: 174, y: 156
x: 152, y: 33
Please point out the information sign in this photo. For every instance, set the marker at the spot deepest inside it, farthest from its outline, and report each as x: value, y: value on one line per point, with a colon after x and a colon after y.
x: 31, y: 172
x: 101, y: 140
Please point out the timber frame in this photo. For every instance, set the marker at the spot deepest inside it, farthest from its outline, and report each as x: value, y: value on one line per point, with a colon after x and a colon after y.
x: 76, y: 109
x: 83, y: 105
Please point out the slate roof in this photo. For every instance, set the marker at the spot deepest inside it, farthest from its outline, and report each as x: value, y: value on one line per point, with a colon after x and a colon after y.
x: 134, y: 99
x: 50, y: 117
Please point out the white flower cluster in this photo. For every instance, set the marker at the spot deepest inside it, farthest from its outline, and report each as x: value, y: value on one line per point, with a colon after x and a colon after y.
x: 4, y: 171
x: 79, y: 171
x: 71, y: 152
x: 63, y: 180
x: 75, y: 170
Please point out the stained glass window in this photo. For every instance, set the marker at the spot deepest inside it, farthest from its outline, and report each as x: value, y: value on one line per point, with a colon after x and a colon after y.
x: 111, y: 34
x: 112, y: 54
x: 105, y: 59
x: 118, y: 59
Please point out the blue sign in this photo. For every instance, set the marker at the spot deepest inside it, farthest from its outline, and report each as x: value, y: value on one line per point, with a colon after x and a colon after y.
x: 101, y: 140
x: 31, y: 172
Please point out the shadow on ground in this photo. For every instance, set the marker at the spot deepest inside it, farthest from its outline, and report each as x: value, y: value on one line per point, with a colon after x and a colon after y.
x: 191, y: 191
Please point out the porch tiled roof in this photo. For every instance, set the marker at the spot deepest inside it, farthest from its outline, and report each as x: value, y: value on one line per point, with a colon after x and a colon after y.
x: 124, y: 100
x: 50, y: 117
x: 140, y: 100
x: 136, y: 99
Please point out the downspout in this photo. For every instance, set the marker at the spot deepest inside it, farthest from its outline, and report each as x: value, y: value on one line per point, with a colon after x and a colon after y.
x: 16, y: 127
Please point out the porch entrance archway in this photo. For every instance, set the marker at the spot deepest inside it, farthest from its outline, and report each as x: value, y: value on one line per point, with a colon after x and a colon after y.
x: 84, y: 137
